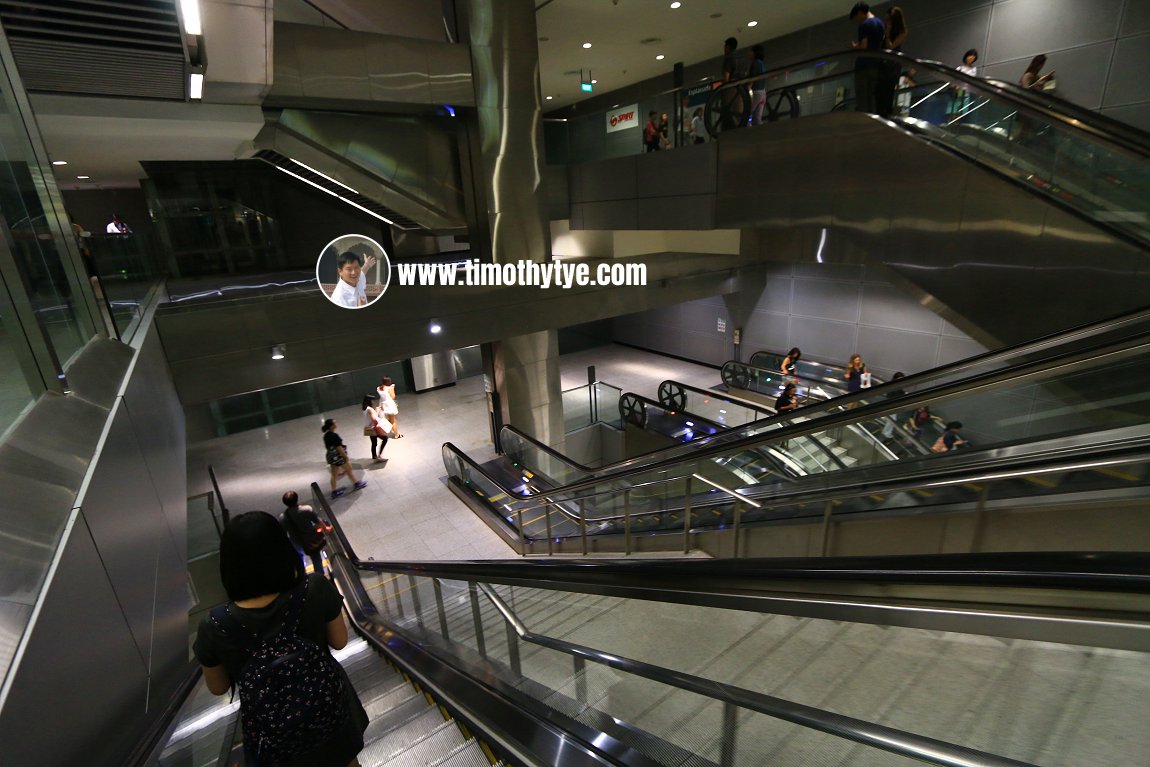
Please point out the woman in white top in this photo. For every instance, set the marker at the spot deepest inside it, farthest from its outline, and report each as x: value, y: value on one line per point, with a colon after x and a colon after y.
x: 375, y: 426
x: 387, y: 405
x: 698, y: 131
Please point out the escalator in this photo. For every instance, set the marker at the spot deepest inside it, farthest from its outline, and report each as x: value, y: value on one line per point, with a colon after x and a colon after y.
x: 1012, y: 215
x: 989, y: 660
x: 1060, y: 421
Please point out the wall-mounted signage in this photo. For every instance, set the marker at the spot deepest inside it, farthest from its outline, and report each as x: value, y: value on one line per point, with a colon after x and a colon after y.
x: 622, y: 118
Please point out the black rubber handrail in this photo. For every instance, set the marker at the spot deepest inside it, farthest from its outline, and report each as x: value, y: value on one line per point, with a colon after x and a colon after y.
x: 717, y: 447
x: 1052, y: 109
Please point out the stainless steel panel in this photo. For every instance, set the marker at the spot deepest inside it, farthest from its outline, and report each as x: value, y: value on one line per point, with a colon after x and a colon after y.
x: 14, y: 617
x: 324, y: 66
x: 834, y: 340
x: 886, y: 306
x: 158, y: 423
x: 127, y: 524
x: 395, y: 17
x: 945, y: 39
x: 686, y: 212
x: 449, y: 71
x: 1137, y: 115
x: 1136, y: 18
x: 468, y: 361
x: 606, y: 180
x: 1123, y: 84
x: 1049, y: 25
x: 80, y: 667
x: 826, y: 300
x: 408, y: 163
x: 431, y: 370
x: 397, y: 70
x: 886, y: 350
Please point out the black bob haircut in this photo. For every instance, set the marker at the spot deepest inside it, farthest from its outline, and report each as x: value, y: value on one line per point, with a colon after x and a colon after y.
x: 346, y: 258
x: 256, y: 557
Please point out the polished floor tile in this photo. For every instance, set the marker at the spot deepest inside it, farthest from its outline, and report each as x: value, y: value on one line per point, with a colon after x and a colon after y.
x: 406, y: 512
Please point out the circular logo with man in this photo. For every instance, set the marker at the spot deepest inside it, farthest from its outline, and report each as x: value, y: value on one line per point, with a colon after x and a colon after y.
x: 353, y: 271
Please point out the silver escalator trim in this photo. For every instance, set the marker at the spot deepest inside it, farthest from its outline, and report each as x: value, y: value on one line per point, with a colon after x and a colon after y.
x: 895, y: 741
x: 710, y: 448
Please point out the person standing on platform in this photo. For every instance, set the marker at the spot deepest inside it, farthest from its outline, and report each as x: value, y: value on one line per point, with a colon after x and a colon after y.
x: 698, y: 129
x: 758, y: 87
x: 117, y: 226
x: 387, y: 405
x: 871, y: 35
x: 375, y: 426
x: 730, y: 99
x: 651, y: 133
x: 889, y: 71
x: 336, y: 455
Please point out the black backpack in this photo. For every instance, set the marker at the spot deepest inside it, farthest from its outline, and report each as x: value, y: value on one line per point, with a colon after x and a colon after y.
x: 305, y: 528
x: 293, y: 694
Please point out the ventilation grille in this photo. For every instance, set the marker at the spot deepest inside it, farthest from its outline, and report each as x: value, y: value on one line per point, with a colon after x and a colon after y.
x: 346, y: 195
x: 97, y: 47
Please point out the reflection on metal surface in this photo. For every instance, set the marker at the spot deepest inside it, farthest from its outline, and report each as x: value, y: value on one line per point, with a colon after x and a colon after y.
x: 402, y: 169
x: 430, y: 371
x: 321, y: 66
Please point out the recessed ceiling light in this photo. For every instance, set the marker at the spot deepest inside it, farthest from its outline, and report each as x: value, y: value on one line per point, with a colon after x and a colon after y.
x: 550, y: 97
x: 752, y: 23
x: 594, y: 82
x: 586, y: 45
x: 83, y: 178
x: 59, y: 162
x: 675, y: 5
x: 660, y: 57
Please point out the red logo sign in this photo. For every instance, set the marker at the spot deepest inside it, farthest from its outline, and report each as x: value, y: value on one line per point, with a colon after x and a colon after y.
x: 621, y: 118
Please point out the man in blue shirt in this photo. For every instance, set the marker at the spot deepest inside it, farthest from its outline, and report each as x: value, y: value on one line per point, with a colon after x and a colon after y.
x: 871, y: 35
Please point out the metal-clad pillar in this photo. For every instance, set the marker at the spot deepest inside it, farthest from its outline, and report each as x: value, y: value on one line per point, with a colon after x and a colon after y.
x: 506, y: 209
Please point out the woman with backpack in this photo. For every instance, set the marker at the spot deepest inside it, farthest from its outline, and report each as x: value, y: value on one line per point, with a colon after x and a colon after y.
x: 270, y: 641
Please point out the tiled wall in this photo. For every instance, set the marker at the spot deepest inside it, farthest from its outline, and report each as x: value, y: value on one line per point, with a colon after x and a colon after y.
x: 830, y: 311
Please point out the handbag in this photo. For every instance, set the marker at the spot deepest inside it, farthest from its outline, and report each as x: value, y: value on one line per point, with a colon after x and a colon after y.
x: 379, y: 431
x: 369, y: 431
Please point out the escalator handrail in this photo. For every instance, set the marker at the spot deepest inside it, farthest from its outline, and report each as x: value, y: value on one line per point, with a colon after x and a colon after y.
x: 874, y: 409
x: 1086, y: 570
x: 1041, y: 344
x: 725, y: 397
x: 850, y: 728
x: 923, y: 476
x: 1108, y: 130
x: 889, y: 739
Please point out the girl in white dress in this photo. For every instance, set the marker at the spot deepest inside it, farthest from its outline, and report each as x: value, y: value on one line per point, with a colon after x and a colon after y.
x: 387, y: 405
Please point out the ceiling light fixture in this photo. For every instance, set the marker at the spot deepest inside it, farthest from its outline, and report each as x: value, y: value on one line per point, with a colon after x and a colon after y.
x: 660, y: 57
x: 675, y: 5
x: 196, y: 86
x: 594, y: 82
x: 435, y: 328
x: 752, y: 23
x: 59, y: 162
x: 586, y: 45
x: 83, y: 178
x: 190, y: 10
x: 278, y: 352
x: 550, y: 97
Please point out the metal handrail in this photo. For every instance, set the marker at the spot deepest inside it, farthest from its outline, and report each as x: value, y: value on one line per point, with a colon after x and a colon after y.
x: 1113, y: 132
x: 1031, y: 464
x: 1098, y: 571
x: 709, y: 448
x: 850, y: 728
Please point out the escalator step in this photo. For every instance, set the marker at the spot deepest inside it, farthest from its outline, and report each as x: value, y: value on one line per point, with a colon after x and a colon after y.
x: 405, y: 720
x: 423, y: 750
x: 470, y: 754
x: 1117, y: 474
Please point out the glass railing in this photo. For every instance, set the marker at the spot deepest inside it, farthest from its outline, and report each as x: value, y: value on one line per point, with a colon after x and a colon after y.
x: 777, y: 662
x: 590, y: 404
x: 711, y: 405
x: 1084, y: 394
x: 806, y: 371
x: 126, y: 268
x: 1071, y: 155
